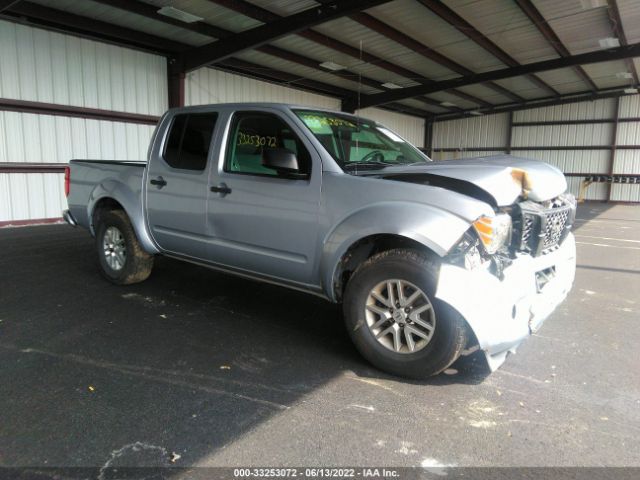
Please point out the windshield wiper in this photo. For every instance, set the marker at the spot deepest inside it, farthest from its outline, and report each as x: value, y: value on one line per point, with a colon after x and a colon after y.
x: 368, y: 163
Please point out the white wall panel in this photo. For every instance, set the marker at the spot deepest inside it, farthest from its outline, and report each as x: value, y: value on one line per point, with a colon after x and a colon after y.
x: 483, y: 131
x: 627, y: 161
x: 630, y: 106
x: 207, y: 85
x: 28, y: 137
x: 43, y: 66
x: 465, y: 154
x: 31, y: 196
x: 562, y: 135
x: 570, y: 161
x: 628, y: 133
x: 407, y: 126
x: 603, y: 108
x: 625, y: 193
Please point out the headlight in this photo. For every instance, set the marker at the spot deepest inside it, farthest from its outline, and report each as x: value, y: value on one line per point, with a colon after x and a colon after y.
x: 494, y: 232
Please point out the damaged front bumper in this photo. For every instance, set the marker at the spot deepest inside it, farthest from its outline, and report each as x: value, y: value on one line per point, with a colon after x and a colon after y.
x: 502, y: 313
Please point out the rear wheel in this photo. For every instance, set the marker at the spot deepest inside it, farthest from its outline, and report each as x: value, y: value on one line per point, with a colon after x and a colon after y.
x: 121, y: 257
x: 394, y: 318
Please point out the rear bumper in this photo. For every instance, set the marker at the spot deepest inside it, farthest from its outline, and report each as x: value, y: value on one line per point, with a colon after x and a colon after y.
x: 502, y: 313
x: 68, y: 217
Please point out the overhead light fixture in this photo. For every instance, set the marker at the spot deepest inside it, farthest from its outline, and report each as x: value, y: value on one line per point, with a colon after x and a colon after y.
x: 475, y: 112
x: 332, y: 66
x: 448, y: 104
x: 391, y: 85
x: 179, y: 15
x: 589, y: 4
x: 609, y: 42
x: 623, y: 75
x: 631, y: 90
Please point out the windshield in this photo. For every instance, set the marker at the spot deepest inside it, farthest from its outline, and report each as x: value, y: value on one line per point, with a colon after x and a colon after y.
x: 356, y: 143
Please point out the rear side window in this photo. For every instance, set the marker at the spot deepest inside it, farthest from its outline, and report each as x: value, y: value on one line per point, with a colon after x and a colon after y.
x: 189, y: 140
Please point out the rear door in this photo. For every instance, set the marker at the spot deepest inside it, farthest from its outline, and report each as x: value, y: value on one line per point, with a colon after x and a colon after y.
x: 177, y: 187
x: 261, y: 221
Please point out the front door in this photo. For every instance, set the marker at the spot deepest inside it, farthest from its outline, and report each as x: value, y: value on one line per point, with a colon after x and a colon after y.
x: 177, y: 186
x: 262, y: 221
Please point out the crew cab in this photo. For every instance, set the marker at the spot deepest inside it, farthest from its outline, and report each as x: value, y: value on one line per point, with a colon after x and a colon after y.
x: 428, y: 259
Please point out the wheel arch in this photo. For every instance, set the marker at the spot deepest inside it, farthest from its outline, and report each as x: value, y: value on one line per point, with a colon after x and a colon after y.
x: 115, y: 195
x: 382, y: 227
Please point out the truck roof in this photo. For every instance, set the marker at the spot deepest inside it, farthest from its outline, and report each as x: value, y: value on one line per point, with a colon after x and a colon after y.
x: 276, y: 105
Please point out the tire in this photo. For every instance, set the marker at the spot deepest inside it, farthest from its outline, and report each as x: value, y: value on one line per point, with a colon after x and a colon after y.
x: 125, y: 262
x: 411, y: 271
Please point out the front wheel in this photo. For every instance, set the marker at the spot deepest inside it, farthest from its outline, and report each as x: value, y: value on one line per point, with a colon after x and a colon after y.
x: 394, y: 319
x: 120, y: 256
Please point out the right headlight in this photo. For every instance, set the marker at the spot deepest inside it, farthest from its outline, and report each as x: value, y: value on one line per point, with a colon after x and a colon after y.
x: 494, y: 232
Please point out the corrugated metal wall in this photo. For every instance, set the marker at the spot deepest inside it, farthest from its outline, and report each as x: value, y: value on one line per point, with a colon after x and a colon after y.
x: 491, y: 135
x: 627, y: 161
x: 486, y: 132
x: 43, y: 66
x: 214, y: 86
x: 408, y: 127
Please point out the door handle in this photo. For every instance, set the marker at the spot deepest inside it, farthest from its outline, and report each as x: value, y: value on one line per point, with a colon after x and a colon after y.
x: 159, y: 182
x: 221, y: 189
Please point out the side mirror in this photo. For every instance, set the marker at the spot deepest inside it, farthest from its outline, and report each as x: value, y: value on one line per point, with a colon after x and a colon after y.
x: 281, y: 160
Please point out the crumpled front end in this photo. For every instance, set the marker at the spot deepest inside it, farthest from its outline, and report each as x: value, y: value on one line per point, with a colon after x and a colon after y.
x: 506, y: 292
x: 502, y: 312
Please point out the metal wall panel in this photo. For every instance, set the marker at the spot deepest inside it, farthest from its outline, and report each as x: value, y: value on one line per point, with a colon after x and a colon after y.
x: 603, y: 108
x: 408, y: 127
x: 207, y: 85
x: 44, y: 66
x: 562, y: 135
x: 571, y: 161
x: 31, y: 196
x: 473, y: 132
x: 26, y: 137
x: 465, y: 154
x: 630, y: 106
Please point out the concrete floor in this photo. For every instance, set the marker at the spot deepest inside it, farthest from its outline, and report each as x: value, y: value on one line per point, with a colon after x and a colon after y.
x: 224, y: 371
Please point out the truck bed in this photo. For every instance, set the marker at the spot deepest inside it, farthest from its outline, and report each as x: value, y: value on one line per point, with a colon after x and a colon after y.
x: 92, y: 178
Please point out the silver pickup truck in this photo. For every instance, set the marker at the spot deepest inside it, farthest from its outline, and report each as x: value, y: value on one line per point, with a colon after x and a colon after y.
x: 429, y: 259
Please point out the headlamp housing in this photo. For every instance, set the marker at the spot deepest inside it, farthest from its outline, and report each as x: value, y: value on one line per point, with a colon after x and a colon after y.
x: 493, y: 232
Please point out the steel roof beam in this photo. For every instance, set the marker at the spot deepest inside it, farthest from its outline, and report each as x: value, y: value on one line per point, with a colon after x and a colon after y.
x: 583, y: 96
x: 397, y: 36
x: 94, y: 28
x: 150, y: 11
x: 90, y: 28
x: 618, y: 53
x: 547, y: 32
x: 258, y: 36
x: 470, y: 31
x: 616, y: 26
x: 263, y: 15
x: 6, y: 4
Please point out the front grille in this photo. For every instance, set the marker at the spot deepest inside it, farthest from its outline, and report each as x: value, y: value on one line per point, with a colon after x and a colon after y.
x: 540, y: 228
x: 554, y: 227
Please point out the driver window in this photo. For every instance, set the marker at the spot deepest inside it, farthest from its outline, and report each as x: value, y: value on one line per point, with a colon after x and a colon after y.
x: 254, y: 132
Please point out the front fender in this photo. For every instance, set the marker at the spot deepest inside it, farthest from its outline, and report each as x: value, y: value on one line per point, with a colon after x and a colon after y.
x: 132, y: 204
x: 434, y: 228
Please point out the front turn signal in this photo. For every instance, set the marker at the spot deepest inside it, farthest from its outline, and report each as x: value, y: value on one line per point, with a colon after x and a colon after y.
x: 494, y: 232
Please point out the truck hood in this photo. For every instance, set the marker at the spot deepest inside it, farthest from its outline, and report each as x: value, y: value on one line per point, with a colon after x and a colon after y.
x: 504, y: 178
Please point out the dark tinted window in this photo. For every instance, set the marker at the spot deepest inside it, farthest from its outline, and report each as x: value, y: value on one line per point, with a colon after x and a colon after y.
x: 189, y: 140
x: 251, y: 134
